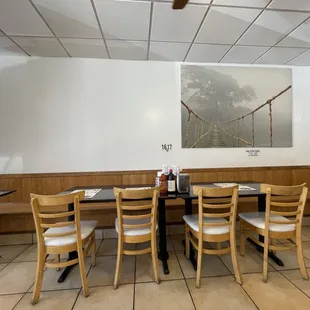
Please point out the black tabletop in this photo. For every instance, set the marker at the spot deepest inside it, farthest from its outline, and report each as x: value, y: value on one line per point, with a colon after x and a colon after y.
x: 6, y: 192
x: 106, y: 193
x: 242, y: 193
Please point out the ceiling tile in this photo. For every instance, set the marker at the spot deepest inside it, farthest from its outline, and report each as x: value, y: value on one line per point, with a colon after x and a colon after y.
x: 302, y: 60
x: 168, y: 51
x: 225, y: 25
x: 190, y: 1
x: 245, y: 3
x: 244, y: 54
x: 124, y: 20
x: 176, y: 25
x: 18, y: 17
x: 45, y: 47
x: 299, y: 37
x: 271, y: 26
x: 132, y: 50
x: 91, y: 48
x: 290, y: 4
x: 207, y: 52
x: 7, y: 47
x: 70, y: 18
x: 280, y: 55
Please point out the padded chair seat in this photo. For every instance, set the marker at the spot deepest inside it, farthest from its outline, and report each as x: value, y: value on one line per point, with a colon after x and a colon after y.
x: 192, y: 222
x: 87, y: 227
x: 257, y: 219
x: 137, y: 231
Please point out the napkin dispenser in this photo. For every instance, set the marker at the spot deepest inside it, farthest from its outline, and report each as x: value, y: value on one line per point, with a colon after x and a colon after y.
x: 183, y: 183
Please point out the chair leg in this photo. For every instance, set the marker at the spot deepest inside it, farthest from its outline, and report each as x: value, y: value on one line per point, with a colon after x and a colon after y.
x: 187, y: 242
x: 219, y: 245
x: 57, y: 260
x: 274, y: 242
x: 82, y: 270
x: 154, y: 258
x: 300, y: 256
x: 242, y: 238
x: 39, y: 276
x: 199, y: 261
x: 93, y: 250
x: 118, y: 262
x: 233, y: 249
x: 265, y: 264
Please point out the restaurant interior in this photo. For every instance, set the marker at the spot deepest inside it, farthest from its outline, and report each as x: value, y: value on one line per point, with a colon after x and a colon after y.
x: 154, y: 154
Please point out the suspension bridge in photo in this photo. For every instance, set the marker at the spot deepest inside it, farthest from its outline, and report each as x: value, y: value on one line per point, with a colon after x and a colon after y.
x: 215, y: 131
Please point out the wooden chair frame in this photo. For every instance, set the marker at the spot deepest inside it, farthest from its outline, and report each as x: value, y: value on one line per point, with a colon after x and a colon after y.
x: 41, y: 208
x: 216, y: 194
x: 277, y: 198
x: 131, y: 201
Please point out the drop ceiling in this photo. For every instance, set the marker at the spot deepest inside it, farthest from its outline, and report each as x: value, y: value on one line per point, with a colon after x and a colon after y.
x: 224, y: 31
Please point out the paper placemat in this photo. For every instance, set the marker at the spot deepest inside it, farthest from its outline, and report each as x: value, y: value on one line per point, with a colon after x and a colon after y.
x: 89, y: 193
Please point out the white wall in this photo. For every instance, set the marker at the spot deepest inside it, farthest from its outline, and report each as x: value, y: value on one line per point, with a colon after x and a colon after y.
x: 60, y: 115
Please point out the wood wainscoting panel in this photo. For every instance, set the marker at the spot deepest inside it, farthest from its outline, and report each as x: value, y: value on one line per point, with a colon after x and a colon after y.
x: 16, y: 216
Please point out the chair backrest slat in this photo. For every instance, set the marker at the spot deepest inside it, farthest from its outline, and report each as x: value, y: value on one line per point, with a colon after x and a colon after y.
x: 225, y: 208
x: 286, y: 201
x: 129, y: 202
x: 39, y: 204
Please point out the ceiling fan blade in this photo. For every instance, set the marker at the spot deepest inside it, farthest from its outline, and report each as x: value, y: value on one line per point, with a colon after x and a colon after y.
x: 179, y: 4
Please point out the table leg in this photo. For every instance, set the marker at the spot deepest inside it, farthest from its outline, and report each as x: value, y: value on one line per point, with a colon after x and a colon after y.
x: 163, y: 253
x: 189, y: 210
x: 72, y: 255
x: 262, y: 208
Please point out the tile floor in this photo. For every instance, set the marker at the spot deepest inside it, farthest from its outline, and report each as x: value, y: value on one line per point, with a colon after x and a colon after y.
x: 218, y: 291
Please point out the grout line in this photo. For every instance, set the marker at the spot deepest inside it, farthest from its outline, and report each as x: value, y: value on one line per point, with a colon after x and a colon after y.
x: 100, y: 27
x: 184, y: 279
x: 245, y: 31
x: 77, y: 296
x: 48, y: 26
x: 150, y: 30
x: 285, y: 36
x: 293, y: 283
x: 198, y: 30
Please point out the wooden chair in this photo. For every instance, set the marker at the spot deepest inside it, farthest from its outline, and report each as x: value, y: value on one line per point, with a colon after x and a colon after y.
x: 134, y: 227
x: 213, y: 227
x: 61, y: 237
x: 281, y: 201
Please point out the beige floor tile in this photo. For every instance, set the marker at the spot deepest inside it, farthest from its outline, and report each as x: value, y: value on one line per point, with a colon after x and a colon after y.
x: 2, y: 266
x: 289, y: 259
x: 176, y: 241
x: 306, y: 249
x: 219, y: 293
x: 172, y: 295
x: 295, y: 277
x: 306, y: 232
x: 60, y: 300
x: 73, y: 281
x: 144, y: 268
x: 278, y: 293
x: 106, y: 297
x: 10, y: 252
x: 30, y: 255
x: 103, y: 273
x: 211, y: 266
x: 109, y: 233
x: 249, y: 263
x: 109, y: 247
x: 8, y: 302
x: 17, y: 277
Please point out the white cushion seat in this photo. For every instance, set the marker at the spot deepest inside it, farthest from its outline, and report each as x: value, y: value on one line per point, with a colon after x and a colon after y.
x: 192, y: 222
x: 257, y: 219
x: 136, y: 231
x: 87, y: 227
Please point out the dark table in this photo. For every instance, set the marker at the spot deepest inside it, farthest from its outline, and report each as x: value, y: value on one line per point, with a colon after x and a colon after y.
x: 106, y: 195
x: 261, y: 201
x: 6, y: 192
